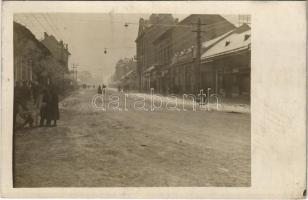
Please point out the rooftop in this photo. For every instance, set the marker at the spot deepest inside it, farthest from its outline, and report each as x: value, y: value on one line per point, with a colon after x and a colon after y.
x: 239, y: 39
x: 25, y: 32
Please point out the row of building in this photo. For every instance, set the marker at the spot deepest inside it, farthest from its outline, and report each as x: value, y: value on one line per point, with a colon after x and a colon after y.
x: 125, y: 75
x: 43, y: 62
x: 166, y: 57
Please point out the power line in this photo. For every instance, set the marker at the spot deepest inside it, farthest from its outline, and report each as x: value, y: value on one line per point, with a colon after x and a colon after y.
x: 75, y: 66
x: 44, y: 28
x: 179, y: 25
x: 26, y: 20
x: 53, y: 30
x: 120, y: 47
x: 136, y: 23
x: 21, y: 20
x: 51, y: 21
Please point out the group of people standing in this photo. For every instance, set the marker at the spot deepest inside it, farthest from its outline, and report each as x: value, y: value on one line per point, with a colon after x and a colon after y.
x: 37, y: 105
x: 101, y: 89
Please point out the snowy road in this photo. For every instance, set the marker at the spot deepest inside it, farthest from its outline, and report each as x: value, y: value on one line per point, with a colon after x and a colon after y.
x: 92, y: 148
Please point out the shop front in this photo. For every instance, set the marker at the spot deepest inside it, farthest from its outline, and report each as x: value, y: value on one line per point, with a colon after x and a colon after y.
x: 228, y: 75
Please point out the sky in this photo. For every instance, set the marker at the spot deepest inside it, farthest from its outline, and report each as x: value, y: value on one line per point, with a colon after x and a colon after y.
x: 88, y: 35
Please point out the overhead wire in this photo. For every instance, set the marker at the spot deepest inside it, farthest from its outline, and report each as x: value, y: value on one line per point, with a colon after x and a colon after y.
x: 39, y: 23
x: 55, y: 33
x: 26, y: 21
x: 56, y: 27
x: 137, y: 23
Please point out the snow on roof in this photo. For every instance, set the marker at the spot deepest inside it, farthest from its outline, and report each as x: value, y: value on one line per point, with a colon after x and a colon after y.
x: 212, y: 41
x: 150, y: 68
x: 235, y: 41
x: 122, y: 77
x: 127, y: 74
x: 205, y: 45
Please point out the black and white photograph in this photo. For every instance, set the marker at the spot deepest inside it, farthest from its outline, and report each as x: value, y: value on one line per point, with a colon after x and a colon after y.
x: 153, y: 99
x: 112, y: 100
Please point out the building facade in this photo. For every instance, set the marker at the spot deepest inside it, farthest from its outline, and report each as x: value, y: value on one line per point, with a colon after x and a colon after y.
x: 226, y: 65
x: 38, y: 61
x: 58, y: 49
x: 176, y: 49
x: 124, y: 66
x: 125, y: 75
x: 149, y: 30
x: 60, y: 56
x: 30, y: 56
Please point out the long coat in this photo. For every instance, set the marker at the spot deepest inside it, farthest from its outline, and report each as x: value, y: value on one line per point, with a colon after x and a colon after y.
x: 99, y: 90
x: 44, y: 106
x: 53, y: 107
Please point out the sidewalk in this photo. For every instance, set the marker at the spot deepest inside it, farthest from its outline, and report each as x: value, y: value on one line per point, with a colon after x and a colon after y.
x: 237, y: 105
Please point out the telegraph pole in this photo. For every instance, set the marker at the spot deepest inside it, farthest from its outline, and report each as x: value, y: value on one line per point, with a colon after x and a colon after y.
x: 75, y: 70
x: 198, y: 30
x: 198, y: 54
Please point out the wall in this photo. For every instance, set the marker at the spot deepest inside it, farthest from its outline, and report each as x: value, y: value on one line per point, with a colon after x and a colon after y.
x: 58, y: 49
x: 183, y: 37
x: 28, y: 55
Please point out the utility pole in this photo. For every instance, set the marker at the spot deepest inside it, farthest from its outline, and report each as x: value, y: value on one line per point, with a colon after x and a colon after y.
x: 75, y: 71
x: 198, y: 30
x: 63, y: 82
x: 198, y: 55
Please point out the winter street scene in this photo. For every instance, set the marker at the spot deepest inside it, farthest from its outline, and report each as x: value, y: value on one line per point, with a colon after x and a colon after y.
x: 131, y: 100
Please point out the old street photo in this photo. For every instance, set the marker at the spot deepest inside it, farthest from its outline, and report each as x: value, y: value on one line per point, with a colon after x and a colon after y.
x: 131, y: 100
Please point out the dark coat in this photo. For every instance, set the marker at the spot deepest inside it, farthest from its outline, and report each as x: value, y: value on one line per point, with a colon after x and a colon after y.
x: 53, y: 107
x: 46, y: 102
x: 99, y: 90
x: 25, y: 93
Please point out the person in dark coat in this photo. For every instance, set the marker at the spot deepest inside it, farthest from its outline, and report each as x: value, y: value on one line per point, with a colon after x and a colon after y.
x: 53, y: 107
x: 35, y: 90
x: 104, y: 89
x: 44, y: 107
x: 99, y: 90
x: 22, y: 95
x: 25, y: 92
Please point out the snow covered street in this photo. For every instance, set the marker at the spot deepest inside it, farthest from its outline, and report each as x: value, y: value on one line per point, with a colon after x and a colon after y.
x: 95, y: 148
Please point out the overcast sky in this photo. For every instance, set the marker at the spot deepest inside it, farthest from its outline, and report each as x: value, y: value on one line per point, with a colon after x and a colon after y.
x: 87, y: 35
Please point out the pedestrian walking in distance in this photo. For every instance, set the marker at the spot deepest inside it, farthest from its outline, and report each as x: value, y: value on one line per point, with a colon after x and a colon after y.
x: 99, y: 90
x: 104, y: 89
